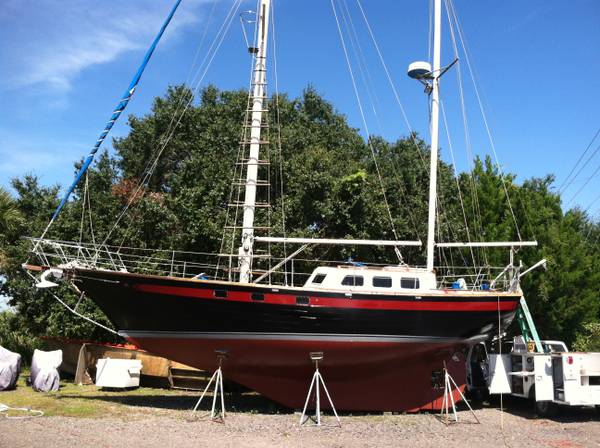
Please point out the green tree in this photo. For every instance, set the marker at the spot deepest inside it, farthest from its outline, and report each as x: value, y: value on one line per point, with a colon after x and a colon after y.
x: 332, y: 184
x: 588, y: 338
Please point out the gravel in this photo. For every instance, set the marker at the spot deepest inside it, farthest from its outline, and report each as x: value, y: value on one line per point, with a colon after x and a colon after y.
x: 174, y: 428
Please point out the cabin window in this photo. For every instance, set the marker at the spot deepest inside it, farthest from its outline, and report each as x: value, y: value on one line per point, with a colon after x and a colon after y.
x: 258, y: 297
x: 319, y: 278
x: 220, y: 293
x: 353, y: 280
x: 382, y: 282
x: 409, y: 283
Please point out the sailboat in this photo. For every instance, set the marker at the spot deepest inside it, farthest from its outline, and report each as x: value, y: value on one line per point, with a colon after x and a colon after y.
x: 386, y: 332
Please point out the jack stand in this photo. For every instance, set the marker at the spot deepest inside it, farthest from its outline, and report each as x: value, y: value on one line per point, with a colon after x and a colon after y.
x: 317, y: 382
x: 449, y: 399
x: 218, y: 379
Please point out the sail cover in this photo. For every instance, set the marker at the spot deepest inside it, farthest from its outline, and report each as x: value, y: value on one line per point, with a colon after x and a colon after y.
x: 117, y: 112
x: 44, y: 370
x: 10, y: 367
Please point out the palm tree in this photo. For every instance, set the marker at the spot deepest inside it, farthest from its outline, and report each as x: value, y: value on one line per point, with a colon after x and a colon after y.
x: 10, y: 216
x: 10, y: 221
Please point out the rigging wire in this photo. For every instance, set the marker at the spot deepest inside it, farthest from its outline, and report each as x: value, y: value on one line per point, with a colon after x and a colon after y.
x: 430, y: 33
x: 372, y: 96
x: 374, y: 101
x: 83, y: 202
x: 460, y: 197
x: 209, y: 57
x: 362, y: 64
x: 475, y: 205
x: 169, y: 132
x: 450, y: 7
x: 238, y: 172
x: 387, y: 73
x: 412, y: 133
x: 89, y: 207
x: 279, y: 145
x: 369, y: 142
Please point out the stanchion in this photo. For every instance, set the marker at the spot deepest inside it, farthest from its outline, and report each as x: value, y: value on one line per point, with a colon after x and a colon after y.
x: 316, y: 383
x: 217, y: 378
x: 449, y: 399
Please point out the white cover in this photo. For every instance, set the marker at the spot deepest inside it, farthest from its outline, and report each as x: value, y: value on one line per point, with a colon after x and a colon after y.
x: 44, y: 370
x: 10, y: 367
x: 118, y: 372
x: 544, y: 381
x: 499, y: 374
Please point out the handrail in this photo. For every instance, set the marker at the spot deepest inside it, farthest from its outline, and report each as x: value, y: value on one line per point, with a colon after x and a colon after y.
x: 186, y: 264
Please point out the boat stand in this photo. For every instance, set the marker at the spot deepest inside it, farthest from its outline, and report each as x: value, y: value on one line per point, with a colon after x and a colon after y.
x: 448, y: 400
x: 316, y: 383
x: 217, y: 378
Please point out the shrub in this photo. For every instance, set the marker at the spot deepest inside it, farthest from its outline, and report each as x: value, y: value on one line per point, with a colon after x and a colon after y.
x: 15, y: 338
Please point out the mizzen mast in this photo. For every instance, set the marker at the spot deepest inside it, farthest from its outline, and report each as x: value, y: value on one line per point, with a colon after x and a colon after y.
x: 258, y: 87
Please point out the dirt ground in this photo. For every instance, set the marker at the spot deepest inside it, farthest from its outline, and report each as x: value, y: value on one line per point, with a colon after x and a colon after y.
x: 256, y: 430
x: 88, y: 417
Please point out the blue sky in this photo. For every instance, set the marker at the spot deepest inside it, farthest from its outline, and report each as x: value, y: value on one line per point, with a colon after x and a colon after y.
x: 64, y: 64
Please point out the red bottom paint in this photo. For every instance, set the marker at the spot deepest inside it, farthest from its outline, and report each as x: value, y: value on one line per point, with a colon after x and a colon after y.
x: 360, y: 376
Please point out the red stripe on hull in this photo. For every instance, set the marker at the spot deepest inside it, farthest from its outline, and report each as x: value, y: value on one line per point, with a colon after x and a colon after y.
x: 361, y: 376
x: 444, y: 304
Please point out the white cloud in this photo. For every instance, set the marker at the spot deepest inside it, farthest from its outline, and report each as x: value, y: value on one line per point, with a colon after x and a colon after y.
x: 50, y: 42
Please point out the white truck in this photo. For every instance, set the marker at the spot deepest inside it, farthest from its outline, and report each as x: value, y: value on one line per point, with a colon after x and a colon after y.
x: 555, y: 377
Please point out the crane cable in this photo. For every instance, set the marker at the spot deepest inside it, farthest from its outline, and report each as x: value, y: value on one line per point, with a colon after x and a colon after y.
x: 566, y: 183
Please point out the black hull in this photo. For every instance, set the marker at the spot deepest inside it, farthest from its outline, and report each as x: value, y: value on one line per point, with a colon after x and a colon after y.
x: 150, y: 304
x: 390, y: 345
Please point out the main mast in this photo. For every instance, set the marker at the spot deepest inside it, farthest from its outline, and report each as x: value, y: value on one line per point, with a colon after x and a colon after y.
x: 435, y: 111
x: 259, y: 79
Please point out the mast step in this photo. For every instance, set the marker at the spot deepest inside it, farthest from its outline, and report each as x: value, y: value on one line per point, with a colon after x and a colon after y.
x: 257, y: 161
x: 258, y: 184
x: 262, y: 126
x: 257, y: 205
x: 242, y: 227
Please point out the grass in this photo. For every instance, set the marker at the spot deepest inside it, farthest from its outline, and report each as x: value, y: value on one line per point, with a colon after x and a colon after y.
x: 92, y: 402
x: 72, y: 400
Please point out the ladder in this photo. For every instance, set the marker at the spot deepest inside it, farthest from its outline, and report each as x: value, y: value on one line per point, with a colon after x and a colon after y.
x: 527, y: 326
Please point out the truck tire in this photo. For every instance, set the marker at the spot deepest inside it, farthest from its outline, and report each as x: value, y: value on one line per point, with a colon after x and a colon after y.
x: 543, y: 408
x: 546, y: 408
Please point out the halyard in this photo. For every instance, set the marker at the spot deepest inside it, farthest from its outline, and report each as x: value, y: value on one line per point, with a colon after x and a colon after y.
x: 85, y: 416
